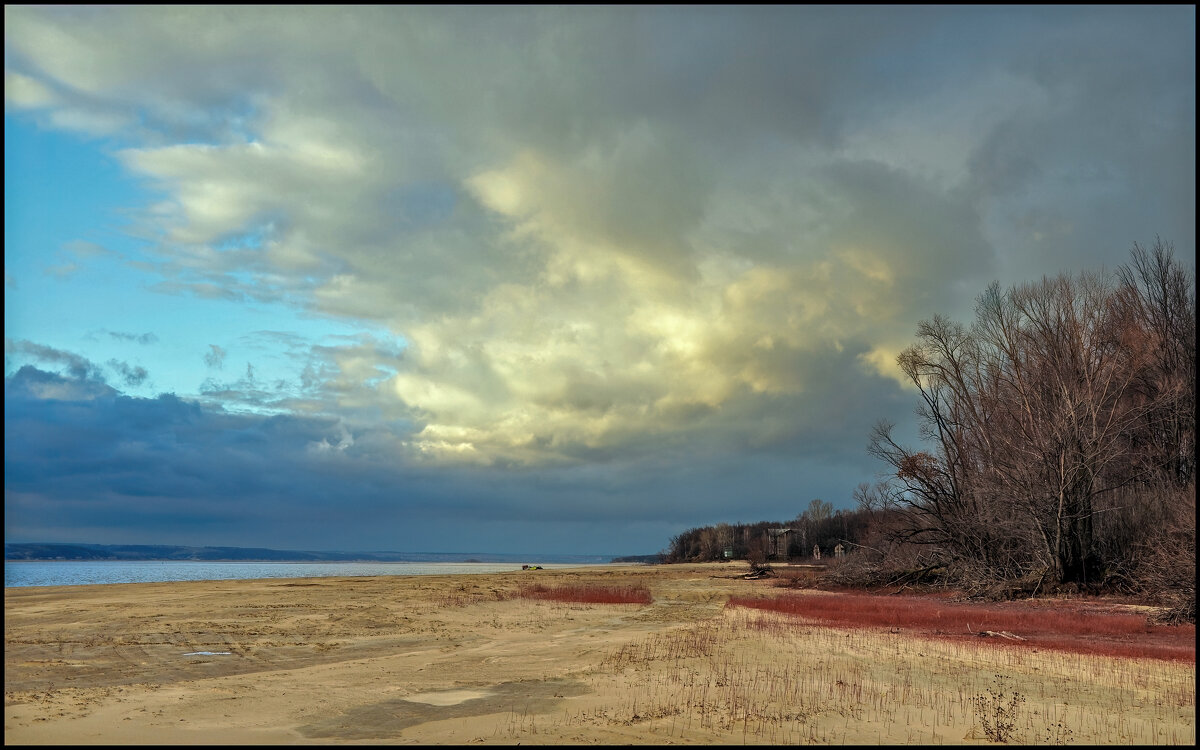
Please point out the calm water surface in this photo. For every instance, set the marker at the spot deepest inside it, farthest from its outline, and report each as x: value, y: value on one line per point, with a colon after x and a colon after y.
x: 80, y: 573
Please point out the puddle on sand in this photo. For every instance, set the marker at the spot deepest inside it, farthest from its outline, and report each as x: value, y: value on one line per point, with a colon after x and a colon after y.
x: 209, y: 653
x: 447, y: 697
x: 387, y: 719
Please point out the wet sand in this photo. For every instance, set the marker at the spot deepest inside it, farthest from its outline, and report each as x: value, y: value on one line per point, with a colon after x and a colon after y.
x: 462, y: 660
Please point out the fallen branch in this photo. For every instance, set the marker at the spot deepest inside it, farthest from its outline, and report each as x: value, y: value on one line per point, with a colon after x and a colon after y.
x: 994, y: 634
x: 999, y: 634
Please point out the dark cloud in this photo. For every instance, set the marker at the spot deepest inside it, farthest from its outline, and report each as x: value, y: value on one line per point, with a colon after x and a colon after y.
x: 140, y: 338
x: 130, y: 375
x: 215, y: 357
x: 31, y: 384
x: 76, y: 366
x: 85, y: 463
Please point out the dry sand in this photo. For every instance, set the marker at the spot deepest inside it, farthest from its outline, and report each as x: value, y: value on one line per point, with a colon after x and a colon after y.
x: 458, y: 660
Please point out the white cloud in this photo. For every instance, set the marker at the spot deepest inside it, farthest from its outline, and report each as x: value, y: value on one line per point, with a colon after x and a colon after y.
x: 25, y: 92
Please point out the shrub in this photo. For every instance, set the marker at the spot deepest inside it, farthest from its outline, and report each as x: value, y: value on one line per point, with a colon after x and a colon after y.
x: 997, y: 712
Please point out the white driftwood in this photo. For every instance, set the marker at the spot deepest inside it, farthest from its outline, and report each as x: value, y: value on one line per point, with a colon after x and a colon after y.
x: 1001, y: 634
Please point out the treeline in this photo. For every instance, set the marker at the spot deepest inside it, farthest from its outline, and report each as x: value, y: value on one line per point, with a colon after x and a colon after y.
x: 818, y: 526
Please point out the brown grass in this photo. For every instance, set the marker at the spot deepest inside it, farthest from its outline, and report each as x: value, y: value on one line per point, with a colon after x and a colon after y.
x: 759, y: 676
x: 587, y: 594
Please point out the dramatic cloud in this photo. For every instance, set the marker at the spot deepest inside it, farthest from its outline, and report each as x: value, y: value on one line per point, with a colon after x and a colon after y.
x: 608, y: 239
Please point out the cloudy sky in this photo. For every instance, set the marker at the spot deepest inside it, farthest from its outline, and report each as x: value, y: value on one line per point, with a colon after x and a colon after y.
x: 537, y: 279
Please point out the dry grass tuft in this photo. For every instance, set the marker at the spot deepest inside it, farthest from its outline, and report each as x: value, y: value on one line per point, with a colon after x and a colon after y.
x: 587, y: 594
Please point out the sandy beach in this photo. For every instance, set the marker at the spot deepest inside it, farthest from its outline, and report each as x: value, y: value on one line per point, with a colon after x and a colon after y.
x: 468, y: 660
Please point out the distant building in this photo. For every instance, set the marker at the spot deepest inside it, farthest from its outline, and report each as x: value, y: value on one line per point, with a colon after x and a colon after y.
x: 777, y: 542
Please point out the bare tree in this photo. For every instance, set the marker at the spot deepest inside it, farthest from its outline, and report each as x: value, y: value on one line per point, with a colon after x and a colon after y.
x: 1156, y: 304
x: 1060, y: 393
x: 818, y: 510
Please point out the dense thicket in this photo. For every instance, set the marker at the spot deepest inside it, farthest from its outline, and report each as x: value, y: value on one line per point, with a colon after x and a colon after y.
x: 1059, y: 448
x: 1060, y: 433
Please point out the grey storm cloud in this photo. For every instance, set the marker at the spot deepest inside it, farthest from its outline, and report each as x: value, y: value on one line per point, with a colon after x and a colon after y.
x: 166, y: 467
x: 78, y: 367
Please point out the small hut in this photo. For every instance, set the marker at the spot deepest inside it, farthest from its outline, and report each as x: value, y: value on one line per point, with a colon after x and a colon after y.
x: 777, y: 542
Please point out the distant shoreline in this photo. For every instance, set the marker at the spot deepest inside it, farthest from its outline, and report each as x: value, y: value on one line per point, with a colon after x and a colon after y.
x: 55, y: 573
x: 53, y: 552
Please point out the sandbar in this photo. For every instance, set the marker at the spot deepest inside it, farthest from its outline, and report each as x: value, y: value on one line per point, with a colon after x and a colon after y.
x: 464, y: 659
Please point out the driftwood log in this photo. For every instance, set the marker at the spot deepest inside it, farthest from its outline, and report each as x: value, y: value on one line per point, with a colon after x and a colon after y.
x: 1000, y: 634
x: 995, y: 634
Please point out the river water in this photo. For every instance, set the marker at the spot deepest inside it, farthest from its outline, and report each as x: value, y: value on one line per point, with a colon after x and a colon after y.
x: 80, y: 573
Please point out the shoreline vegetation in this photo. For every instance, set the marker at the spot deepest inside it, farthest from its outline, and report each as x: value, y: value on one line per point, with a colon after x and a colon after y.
x: 688, y: 653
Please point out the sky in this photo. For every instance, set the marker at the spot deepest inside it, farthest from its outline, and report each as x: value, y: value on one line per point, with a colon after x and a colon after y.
x: 537, y: 279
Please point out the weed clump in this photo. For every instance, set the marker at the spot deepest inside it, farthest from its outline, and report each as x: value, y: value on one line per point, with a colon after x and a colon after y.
x: 997, y: 711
